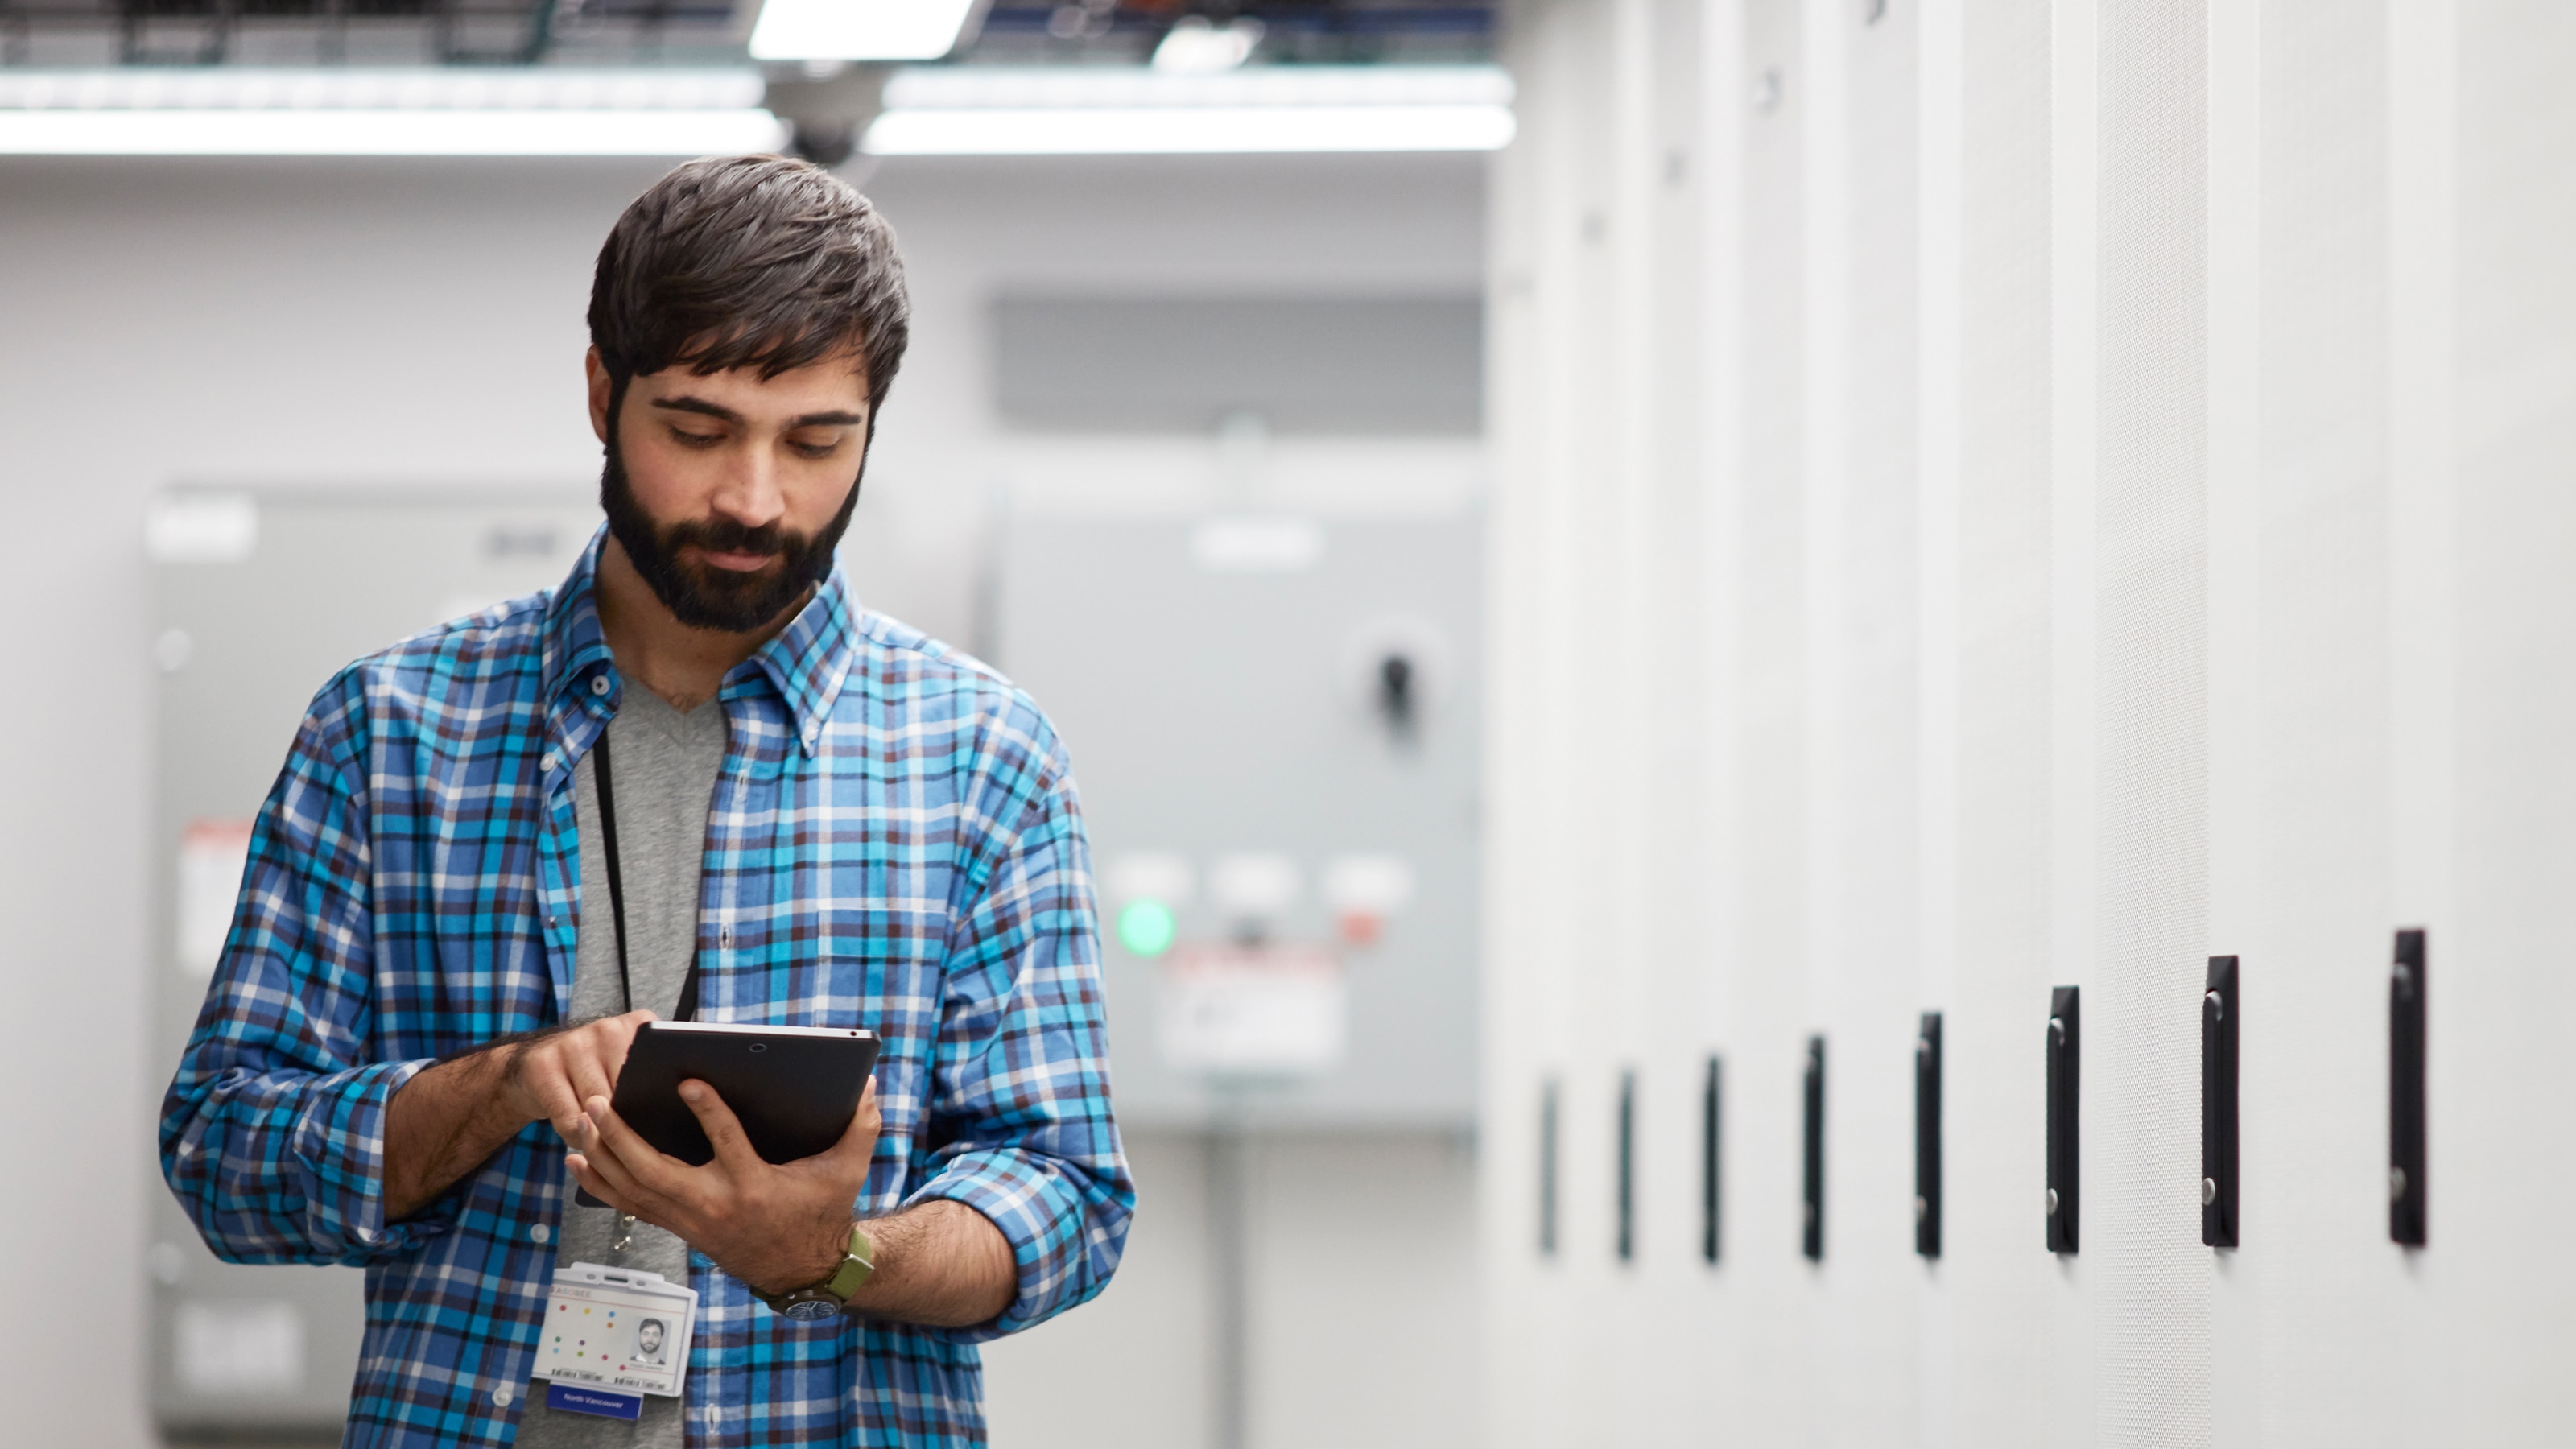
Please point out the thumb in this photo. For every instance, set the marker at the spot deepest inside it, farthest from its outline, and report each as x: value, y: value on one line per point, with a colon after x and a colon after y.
x: 859, y: 1139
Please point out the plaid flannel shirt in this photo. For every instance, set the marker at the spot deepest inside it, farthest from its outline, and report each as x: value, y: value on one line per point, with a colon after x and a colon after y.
x: 894, y: 843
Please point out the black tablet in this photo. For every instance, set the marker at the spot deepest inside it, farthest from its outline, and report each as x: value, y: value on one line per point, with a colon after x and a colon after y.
x: 794, y: 1088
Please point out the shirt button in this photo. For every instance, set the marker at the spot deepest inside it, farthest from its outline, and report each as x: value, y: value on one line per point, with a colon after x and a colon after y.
x: 501, y: 1396
x: 599, y: 684
x: 550, y: 759
x: 550, y: 923
x: 539, y: 1233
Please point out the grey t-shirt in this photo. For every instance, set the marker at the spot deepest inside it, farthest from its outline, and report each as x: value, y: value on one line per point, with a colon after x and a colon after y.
x: 666, y: 764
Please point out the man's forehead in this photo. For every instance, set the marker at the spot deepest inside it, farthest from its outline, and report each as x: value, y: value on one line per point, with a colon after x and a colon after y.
x: 825, y: 399
x: 838, y: 373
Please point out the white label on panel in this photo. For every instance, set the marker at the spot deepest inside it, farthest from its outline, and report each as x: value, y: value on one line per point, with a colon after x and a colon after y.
x: 1377, y: 884
x: 1363, y: 891
x: 1150, y: 875
x: 1255, y: 883
x: 239, y: 1348
x: 1257, y: 545
x: 1254, y: 1009
x: 212, y: 856
x: 201, y: 528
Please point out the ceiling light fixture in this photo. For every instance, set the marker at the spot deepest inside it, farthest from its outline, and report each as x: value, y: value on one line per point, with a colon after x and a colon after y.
x: 241, y: 111
x: 387, y: 133
x: 1070, y: 110
x: 1196, y: 45
x: 859, y: 29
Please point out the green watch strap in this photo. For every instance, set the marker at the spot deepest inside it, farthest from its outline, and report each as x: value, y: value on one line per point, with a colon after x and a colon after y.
x: 856, y: 1269
x: 858, y: 1261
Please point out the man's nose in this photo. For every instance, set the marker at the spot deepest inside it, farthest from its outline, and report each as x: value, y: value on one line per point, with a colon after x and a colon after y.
x: 749, y: 494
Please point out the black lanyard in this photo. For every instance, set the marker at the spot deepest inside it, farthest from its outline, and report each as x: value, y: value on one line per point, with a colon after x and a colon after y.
x: 688, y: 1006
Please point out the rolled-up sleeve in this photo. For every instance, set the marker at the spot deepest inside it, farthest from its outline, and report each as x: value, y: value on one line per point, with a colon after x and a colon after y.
x: 1020, y: 1091
x: 272, y: 1135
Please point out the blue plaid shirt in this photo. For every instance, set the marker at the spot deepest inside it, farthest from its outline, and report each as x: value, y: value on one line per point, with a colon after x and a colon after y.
x: 894, y: 843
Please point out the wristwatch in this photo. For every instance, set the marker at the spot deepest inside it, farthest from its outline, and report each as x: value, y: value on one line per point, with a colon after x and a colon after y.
x: 830, y: 1297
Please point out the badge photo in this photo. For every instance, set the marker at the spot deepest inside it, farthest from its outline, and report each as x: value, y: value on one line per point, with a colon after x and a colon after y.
x: 616, y: 1329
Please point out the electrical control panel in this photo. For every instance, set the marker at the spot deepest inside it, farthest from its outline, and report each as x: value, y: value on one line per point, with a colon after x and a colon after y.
x: 1272, y: 718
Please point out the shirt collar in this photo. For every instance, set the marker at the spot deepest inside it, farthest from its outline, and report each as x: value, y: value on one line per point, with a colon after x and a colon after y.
x: 807, y: 662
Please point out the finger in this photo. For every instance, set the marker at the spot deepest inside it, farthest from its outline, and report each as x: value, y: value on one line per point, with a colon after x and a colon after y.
x: 723, y: 1129
x: 542, y: 1077
x: 619, y: 1040
x: 589, y: 1081
x: 607, y: 1133
x: 597, y: 1186
x: 858, y: 1142
x: 590, y: 1076
x: 602, y: 1160
x: 643, y: 1187
x: 621, y: 1153
x: 619, y: 1190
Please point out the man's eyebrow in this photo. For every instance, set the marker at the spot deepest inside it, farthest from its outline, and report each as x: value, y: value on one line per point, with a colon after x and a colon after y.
x: 686, y: 404
x: 838, y: 418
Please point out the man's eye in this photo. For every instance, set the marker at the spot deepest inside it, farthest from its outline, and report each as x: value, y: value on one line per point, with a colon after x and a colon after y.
x: 689, y: 439
x: 814, y: 450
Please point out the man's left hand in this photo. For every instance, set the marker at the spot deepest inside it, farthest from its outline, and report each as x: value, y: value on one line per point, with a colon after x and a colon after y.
x: 777, y: 1227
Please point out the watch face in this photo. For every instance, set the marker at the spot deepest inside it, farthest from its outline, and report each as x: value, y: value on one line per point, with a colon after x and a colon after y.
x: 807, y: 1310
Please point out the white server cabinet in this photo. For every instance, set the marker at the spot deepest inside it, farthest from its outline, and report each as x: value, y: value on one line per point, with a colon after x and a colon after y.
x: 2121, y: 525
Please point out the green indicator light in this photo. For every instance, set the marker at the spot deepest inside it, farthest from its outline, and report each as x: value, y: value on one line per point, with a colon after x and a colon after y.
x: 1146, y: 928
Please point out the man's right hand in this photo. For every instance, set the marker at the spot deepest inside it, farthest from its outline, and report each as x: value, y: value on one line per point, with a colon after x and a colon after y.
x: 547, y: 1079
x: 444, y: 1122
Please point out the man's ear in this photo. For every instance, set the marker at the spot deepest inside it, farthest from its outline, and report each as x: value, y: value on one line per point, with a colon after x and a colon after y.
x: 600, y: 387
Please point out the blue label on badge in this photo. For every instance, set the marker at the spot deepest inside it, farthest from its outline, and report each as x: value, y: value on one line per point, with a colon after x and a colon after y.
x: 574, y: 1399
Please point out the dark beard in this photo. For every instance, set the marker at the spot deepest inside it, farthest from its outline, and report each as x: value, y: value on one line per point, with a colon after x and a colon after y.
x: 711, y: 598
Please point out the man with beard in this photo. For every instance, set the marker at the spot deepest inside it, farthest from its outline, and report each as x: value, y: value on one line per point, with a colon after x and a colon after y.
x: 695, y: 780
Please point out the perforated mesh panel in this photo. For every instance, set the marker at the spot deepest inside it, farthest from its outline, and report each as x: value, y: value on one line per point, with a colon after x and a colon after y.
x: 2005, y: 1295
x: 2499, y: 1276
x: 2305, y: 1313
x: 2142, y: 1041
x: 1759, y: 1351
x: 1863, y: 760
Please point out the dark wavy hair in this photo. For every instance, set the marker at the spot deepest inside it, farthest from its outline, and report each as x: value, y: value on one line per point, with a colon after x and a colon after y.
x: 749, y: 261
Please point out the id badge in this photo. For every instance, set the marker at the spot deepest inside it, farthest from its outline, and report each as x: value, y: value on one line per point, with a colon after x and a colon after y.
x: 613, y: 1335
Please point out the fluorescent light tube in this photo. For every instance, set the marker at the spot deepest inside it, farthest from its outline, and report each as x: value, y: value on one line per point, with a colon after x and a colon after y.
x: 973, y: 110
x: 379, y: 88
x: 1174, y: 131
x: 858, y: 29
x: 387, y: 133
x: 359, y: 111
x: 1270, y: 85
x: 1195, y: 46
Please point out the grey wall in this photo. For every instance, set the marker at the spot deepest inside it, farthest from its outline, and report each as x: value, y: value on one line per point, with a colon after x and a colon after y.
x: 302, y: 321
x: 1182, y: 364
x: 1361, y: 1327
x: 421, y: 322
